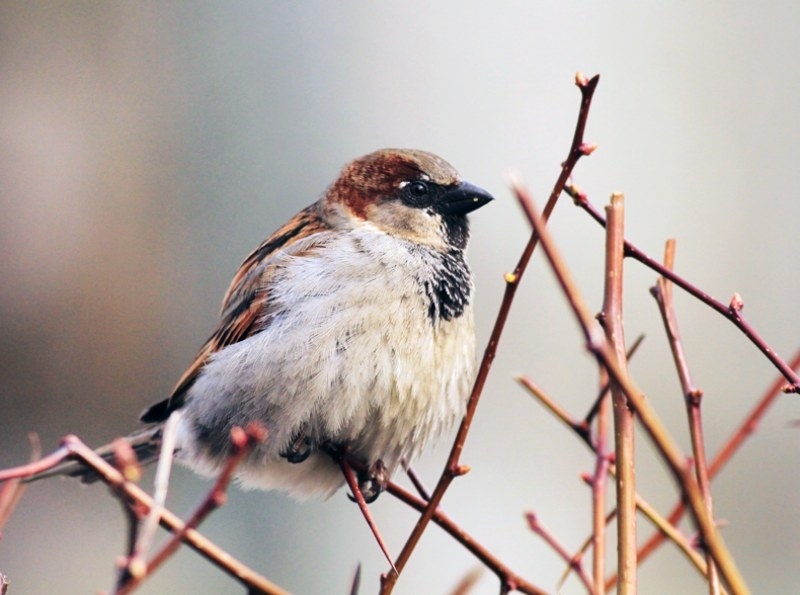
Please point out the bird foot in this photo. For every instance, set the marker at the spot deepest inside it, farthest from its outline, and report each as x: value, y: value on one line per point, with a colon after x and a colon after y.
x: 373, y: 481
x: 299, y: 450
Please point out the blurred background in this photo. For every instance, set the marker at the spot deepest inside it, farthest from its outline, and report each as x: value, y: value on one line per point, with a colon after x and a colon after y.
x: 146, y: 147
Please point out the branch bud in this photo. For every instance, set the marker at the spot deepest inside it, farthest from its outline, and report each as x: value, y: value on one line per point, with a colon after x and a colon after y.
x: 581, y: 80
x: 460, y: 470
x: 736, y: 304
x: 587, y: 148
x: 578, y: 195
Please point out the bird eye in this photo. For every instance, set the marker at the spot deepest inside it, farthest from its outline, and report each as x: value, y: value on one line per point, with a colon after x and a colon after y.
x: 418, y: 189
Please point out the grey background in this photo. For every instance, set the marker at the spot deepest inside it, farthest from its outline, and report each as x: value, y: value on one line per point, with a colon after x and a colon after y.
x: 145, y: 148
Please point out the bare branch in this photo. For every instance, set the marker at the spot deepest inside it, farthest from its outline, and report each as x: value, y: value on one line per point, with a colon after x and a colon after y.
x: 574, y: 562
x: 623, y: 414
x: 596, y: 345
x: 732, y: 311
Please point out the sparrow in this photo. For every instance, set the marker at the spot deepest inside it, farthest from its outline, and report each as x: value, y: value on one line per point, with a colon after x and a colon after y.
x: 350, y: 327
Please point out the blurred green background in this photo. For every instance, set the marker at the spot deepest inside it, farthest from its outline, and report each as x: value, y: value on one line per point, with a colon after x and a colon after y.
x: 146, y: 147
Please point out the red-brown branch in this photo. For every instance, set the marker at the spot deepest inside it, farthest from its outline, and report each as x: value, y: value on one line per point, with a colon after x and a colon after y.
x: 662, y: 291
x: 732, y: 311
x: 654, y: 429
x: 242, y: 442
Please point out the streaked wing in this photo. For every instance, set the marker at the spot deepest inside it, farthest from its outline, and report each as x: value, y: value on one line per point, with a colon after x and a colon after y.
x: 242, y: 307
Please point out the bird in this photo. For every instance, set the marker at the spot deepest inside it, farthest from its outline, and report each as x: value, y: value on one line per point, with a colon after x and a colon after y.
x: 350, y: 327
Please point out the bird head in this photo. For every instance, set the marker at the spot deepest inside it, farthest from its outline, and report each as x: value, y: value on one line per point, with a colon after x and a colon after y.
x: 411, y: 194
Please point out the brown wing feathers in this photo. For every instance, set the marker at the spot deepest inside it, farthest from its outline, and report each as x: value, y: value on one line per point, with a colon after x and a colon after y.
x: 242, y: 306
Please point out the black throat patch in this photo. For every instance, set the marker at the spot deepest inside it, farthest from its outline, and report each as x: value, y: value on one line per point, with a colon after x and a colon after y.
x: 449, y: 287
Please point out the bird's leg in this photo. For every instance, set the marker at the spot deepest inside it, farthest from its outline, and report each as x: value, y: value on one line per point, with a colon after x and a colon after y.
x: 373, y: 481
x: 299, y: 449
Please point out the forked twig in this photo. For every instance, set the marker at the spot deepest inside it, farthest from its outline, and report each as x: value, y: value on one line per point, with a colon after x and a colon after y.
x: 666, y: 528
x: 508, y: 578
x: 573, y: 561
x: 737, y: 438
x: 242, y: 442
x: 662, y: 292
x: 732, y: 311
x: 135, y: 569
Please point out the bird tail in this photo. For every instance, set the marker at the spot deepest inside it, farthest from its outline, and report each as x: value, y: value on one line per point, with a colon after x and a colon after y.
x: 145, y: 444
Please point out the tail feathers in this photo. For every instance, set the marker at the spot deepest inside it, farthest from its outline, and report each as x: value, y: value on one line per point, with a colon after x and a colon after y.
x: 145, y: 444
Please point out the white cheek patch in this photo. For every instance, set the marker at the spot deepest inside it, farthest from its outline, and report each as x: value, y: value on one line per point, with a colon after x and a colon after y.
x: 416, y: 225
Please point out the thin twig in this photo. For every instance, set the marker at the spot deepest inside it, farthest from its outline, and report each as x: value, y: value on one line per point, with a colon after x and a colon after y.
x: 573, y: 562
x: 11, y: 491
x: 136, y: 568
x: 669, y: 532
x: 38, y: 466
x: 505, y: 574
x: 662, y: 291
x: 242, y: 442
x: 655, y: 430
x: 672, y: 533
x: 732, y: 311
x: 743, y: 431
x: 604, y: 386
x: 352, y: 483
x: 452, y: 467
x: 587, y: 543
x: 598, y: 484
x: 415, y: 480
x: 666, y: 528
x: 579, y: 427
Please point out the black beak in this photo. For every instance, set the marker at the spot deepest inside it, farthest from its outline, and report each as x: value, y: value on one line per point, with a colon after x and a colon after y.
x: 463, y: 199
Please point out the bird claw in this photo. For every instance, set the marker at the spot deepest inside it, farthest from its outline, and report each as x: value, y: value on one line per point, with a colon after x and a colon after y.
x: 299, y: 450
x: 373, y: 481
